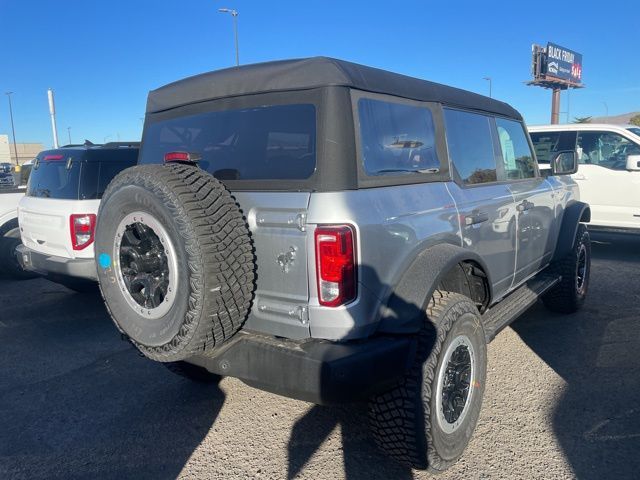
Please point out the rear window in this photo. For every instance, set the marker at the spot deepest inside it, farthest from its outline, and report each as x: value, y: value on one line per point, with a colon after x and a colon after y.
x: 71, y: 176
x: 54, y: 178
x: 270, y: 142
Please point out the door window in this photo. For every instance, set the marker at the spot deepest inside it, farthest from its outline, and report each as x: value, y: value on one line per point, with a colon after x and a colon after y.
x: 470, y: 146
x: 516, y: 152
x: 606, y: 149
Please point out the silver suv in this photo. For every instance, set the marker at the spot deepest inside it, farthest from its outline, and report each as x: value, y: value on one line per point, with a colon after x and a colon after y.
x: 332, y: 232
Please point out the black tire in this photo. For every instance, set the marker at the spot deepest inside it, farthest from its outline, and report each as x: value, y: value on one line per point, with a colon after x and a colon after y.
x: 199, y: 236
x: 569, y: 294
x: 408, y: 421
x: 193, y: 372
x: 9, y: 265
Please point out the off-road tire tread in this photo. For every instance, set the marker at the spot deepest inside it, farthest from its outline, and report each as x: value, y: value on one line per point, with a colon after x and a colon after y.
x: 392, y: 415
x: 563, y: 298
x: 219, y: 250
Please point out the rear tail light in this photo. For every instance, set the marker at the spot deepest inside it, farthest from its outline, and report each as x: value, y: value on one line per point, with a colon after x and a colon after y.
x: 53, y: 158
x: 83, y: 227
x: 336, y: 264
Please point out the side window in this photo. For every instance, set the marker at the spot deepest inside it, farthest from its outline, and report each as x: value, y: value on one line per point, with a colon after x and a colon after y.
x: 547, y: 144
x: 470, y: 146
x: 396, y: 138
x: 606, y: 149
x: 516, y: 152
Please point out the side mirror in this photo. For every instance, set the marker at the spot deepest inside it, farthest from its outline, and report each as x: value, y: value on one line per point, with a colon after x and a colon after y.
x: 564, y: 163
x: 633, y: 163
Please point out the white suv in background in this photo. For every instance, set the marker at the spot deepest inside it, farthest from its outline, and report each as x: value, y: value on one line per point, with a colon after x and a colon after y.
x: 58, y: 213
x: 609, y: 170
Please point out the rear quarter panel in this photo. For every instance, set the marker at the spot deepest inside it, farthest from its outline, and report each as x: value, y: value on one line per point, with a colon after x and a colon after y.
x: 393, y: 225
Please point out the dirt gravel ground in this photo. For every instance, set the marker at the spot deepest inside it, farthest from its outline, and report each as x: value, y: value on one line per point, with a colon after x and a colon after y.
x: 562, y: 400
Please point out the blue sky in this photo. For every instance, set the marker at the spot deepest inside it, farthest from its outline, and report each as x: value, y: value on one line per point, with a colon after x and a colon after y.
x: 101, y: 58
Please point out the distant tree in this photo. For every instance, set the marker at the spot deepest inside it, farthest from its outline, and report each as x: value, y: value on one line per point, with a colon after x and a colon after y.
x: 635, y: 120
x: 582, y: 119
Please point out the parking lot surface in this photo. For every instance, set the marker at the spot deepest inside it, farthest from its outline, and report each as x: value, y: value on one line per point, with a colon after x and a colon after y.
x: 562, y: 399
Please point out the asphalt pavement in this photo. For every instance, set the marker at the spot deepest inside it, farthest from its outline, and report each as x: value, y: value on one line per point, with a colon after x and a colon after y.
x: 562, y: 399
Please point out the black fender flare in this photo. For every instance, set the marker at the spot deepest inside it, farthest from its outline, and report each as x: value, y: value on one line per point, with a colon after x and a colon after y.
x: 574, y: 213
x: 403, y: 310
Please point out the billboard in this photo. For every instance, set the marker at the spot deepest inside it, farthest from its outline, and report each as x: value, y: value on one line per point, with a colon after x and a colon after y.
x: 563, y: 64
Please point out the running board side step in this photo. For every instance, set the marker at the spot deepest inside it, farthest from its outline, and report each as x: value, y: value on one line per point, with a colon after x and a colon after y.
x: 505, y: 312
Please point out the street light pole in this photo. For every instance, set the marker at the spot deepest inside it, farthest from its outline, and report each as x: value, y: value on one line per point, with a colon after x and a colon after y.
x: 234, y: 14
x: 606, y: 109
x: 489, y: 80
x: 13, y: 129
x: 69, y: 132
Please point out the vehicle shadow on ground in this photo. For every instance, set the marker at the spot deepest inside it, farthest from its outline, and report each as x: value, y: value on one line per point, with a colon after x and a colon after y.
x: 597, y: 417
x: 77, y: 402
x: 362, y: 459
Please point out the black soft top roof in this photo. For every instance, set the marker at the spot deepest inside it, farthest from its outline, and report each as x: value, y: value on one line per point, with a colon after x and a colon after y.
x: 310, y: 73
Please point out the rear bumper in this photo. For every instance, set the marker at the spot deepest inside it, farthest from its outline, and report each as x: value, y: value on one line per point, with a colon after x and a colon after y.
x: 50, y: 264
x: 316, y: 371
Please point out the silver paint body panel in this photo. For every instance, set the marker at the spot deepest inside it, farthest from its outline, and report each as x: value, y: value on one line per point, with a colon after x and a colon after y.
x: 392, y: 225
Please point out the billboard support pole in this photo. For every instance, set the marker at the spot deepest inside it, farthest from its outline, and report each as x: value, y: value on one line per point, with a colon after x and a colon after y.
x: 555, y: 106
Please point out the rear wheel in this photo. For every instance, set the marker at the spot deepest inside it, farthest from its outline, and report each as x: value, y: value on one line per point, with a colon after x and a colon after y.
x: 427, y: 420
x: 569, y: 294
x: 175, y: 260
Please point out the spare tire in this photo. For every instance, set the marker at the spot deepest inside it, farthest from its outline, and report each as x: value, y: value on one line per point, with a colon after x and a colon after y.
x: 175, y: 260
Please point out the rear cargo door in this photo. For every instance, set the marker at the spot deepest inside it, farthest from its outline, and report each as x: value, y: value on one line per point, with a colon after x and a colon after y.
x: 45, y: 225
x: 54, y: 193
x: 277, y: 224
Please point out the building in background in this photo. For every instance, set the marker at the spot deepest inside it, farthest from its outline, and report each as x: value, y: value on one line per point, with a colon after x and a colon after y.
x: 26, y: 151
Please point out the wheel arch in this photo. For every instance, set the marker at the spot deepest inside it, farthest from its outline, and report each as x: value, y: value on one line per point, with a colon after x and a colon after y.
x: 446, y: 266
x: 574, y: 214
x: 8, y: 225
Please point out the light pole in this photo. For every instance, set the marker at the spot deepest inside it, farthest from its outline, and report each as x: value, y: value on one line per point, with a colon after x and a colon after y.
x: 234, y: 14
x: 488, y: 79
x: 69, y: 132
x: 13, y: 129
x: 606, y: 109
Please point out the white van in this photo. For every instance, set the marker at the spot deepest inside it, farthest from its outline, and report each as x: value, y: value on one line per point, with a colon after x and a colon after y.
x: 609, y: 171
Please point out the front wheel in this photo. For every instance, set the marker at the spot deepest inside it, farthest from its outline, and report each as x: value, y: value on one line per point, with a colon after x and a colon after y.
x: 569, y: 294
x: 427, y: 420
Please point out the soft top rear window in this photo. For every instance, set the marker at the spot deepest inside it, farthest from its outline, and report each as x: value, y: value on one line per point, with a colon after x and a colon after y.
x: 268, y: 142
x: 77, y: 175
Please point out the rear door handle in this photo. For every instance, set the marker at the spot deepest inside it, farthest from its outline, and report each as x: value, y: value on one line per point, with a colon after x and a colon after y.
x: 475, y: 217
